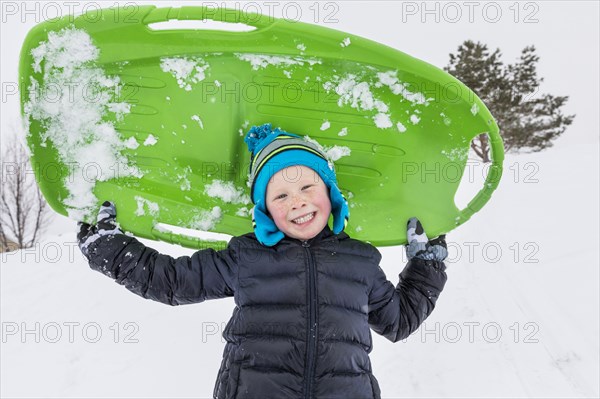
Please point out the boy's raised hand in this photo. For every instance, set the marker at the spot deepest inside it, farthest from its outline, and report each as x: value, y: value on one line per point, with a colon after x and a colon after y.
x: 420, y: 246
x: 106, y: 225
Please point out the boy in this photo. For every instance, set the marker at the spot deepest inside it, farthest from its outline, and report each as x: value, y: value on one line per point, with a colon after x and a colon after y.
x: 306, y: 295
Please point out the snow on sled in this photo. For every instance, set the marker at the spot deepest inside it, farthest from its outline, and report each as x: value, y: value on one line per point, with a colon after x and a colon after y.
x: 154, y: 120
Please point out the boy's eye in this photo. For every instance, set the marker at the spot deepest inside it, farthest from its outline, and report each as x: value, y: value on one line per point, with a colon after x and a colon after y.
x: 283, y: 195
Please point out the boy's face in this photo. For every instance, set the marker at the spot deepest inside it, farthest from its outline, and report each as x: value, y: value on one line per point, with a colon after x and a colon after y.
x: 295, y: 192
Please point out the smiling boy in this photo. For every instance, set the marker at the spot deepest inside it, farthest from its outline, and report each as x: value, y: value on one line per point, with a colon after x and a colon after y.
x: 306, y: 295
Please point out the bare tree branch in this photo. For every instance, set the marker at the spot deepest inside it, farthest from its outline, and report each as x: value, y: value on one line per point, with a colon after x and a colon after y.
x: 23, y: 210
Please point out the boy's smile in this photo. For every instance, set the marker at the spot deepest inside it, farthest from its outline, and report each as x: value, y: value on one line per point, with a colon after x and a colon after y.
x: 298, y: 201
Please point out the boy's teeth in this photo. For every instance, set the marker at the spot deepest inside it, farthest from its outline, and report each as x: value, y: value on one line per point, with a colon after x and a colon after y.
x: 304, y: 219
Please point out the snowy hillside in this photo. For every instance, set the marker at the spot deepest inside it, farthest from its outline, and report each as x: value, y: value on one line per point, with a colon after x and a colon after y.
x: 519, y: 316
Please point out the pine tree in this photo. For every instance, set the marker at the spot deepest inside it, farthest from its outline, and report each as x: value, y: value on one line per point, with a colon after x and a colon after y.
x: 528, y: 121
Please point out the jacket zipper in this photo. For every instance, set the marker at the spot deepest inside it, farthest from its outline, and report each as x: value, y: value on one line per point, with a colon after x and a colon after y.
x: 312, y: 324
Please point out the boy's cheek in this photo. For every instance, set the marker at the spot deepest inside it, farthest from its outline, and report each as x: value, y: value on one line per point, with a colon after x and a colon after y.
x: 276, y: 215
x: 278, y: 211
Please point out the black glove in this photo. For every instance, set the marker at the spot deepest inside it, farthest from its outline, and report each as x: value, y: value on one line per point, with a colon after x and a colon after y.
x: 106, y: 225
x: 420, y: 246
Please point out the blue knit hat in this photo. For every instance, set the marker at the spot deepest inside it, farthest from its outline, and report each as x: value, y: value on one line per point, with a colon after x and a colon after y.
x: 273, y: 150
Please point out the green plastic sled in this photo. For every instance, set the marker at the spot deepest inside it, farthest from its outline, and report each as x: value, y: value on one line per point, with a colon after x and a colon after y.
x: 154, y: 120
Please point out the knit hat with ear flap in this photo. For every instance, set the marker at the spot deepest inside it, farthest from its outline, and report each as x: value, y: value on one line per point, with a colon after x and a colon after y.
x: 273, y: 150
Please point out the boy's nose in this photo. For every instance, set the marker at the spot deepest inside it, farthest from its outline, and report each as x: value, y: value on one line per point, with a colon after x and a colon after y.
x: 298, y: 202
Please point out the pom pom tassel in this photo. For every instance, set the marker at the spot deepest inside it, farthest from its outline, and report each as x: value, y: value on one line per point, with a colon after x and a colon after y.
x: 257, y: 134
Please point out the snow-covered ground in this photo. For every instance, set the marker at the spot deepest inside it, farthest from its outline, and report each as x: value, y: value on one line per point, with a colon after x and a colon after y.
x: 519, y: 316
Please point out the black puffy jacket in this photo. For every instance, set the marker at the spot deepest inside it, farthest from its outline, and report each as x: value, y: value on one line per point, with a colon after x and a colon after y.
x: 301, y: 325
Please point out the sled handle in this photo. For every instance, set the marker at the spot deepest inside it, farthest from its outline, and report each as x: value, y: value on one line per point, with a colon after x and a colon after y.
x: 187, y: 241
x: 491, y: 181
x: 214, y: 13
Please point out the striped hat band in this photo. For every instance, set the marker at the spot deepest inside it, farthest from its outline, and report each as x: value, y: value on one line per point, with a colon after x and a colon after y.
x: 277, y: 146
